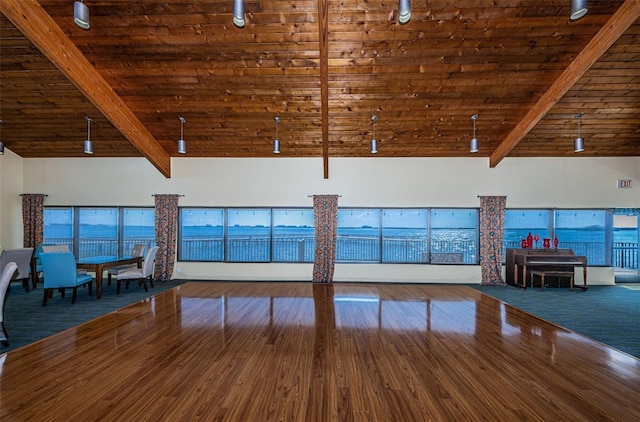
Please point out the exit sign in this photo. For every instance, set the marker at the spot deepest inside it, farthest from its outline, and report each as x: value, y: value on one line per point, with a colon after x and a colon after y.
x: 624, y: 184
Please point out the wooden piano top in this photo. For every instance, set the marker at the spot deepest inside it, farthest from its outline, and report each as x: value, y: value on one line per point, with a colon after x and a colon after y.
x: 548, y: 257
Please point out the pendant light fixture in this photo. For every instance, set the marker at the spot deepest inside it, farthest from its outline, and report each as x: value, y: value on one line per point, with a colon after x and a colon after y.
x: 473, y: 146
x: 1, y: 143
x: 404, y: 11
x: 182, y: 145
x: 81, y: 15
x: 374, y: 142
x: 578, y: 9
x: 238, y: 13
x: 88, y: 145
x: 578, y: 143
x: 276, y: 141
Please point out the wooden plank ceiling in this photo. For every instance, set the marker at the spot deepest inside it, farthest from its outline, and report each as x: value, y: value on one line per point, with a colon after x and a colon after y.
x: 324, y: 67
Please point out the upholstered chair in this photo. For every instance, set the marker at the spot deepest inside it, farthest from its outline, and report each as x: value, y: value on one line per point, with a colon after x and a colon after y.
x: 8, y: 271
x: 140, y: 274
x: 22, y: 258
x: 137, y: 251
x: 59, y: 272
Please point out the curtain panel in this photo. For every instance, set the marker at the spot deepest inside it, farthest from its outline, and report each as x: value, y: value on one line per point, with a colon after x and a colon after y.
x: 33, y: 219
x: 166, y: 222
x: 325, y: 212
x: 492, y: 210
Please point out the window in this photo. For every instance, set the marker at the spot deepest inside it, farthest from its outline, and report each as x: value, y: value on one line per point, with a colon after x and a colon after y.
x: 249, y: 235
x: 97, y: 232
x: 293, y: 235
x: 58, y: 226
x: 404, y: 235
x: 519, y: 223
x: 201, y: 234
x: 586, y: 232
x: 454, y: 236
x: 138, y: 227
x: 583, y: 231
x: 358, y: 238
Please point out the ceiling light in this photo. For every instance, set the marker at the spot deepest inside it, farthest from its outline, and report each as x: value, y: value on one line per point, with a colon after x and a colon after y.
x: 473, y: 146
x: 81, y: 15
x: 578, y: 9
x: 238, y: 13
x: 404, y: 11
x: 374, y: 143
x: 182, y: 145
x: 88, y: 145
x: 276, y: 142
x: 578, y: 143
x: 1, y: 143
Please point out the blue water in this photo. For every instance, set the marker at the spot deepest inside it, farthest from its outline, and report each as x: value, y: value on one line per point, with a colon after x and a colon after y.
x: 294, y: 244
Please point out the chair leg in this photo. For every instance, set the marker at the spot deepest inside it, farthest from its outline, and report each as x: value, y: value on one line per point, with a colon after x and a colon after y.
x: 46, y: 296
x: 108, y: 278
x: 74, y: 295
x: 144, y: 284
x: 151, y: 280
x: 90, y: 287
x: 61, y: 293
x: 3, y: 337
x: 25, y: 284
x: 117, y: 286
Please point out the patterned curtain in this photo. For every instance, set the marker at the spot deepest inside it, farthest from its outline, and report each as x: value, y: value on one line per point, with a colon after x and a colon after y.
x: 166, y: 213
x: 325, y: 211
x: 33, y: 219
x: 491, y: 237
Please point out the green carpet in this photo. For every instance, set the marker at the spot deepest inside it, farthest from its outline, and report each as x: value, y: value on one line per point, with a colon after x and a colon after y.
x: 28, y: 321
x: 608, y: 314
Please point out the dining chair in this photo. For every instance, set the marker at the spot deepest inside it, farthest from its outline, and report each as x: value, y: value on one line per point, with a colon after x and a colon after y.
x: 59, y: 248
x: 136, y: 251
x: 37, y: 263
x: 55, y: 248
x: 8, y: 271
x: 140, y: 274
x: 59, y: 272
x: 22, y: 258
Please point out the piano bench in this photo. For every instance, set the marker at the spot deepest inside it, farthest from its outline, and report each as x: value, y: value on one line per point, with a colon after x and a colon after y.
x: 553, y: 273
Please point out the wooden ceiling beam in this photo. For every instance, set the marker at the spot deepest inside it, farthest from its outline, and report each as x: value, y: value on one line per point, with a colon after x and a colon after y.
x: 624, y: 17
x: 323, y: 30
x: 35, y: 24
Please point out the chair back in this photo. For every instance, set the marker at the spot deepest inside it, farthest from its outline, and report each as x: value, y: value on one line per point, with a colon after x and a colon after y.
x: 7, y: 275
x: 22, y: 258
x: 149, y: 260
x: 55, y: 248
x: 59, y: 269
x: 37, y: 253
x: 138, y: 250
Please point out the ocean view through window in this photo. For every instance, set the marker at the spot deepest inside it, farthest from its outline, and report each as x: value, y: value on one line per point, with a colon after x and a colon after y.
x: 365, y: 235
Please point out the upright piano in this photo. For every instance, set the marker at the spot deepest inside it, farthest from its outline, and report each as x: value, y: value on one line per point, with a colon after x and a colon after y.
x: 519, y: 261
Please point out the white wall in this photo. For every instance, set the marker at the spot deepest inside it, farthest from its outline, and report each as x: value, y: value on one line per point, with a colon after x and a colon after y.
x: 376, y: 182
x: 11, y: 177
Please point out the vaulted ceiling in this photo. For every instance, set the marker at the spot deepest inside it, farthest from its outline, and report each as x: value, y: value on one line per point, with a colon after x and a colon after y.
x: 324, y: 67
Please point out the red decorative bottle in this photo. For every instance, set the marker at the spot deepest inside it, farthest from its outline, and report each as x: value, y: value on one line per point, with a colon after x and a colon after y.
x: 555, y: 242
x: 529, y: 241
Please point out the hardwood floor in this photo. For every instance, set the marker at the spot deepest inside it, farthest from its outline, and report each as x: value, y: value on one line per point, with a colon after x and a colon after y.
x: 302, y: 352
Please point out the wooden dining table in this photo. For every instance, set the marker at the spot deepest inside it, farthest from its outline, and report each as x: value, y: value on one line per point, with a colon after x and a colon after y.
x: 98, y: 264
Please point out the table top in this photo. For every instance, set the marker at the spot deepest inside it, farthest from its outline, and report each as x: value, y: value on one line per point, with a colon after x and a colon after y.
x: 103, y: 259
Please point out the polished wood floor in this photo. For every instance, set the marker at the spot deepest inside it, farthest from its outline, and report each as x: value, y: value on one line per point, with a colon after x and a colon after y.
x: 302, y: 352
